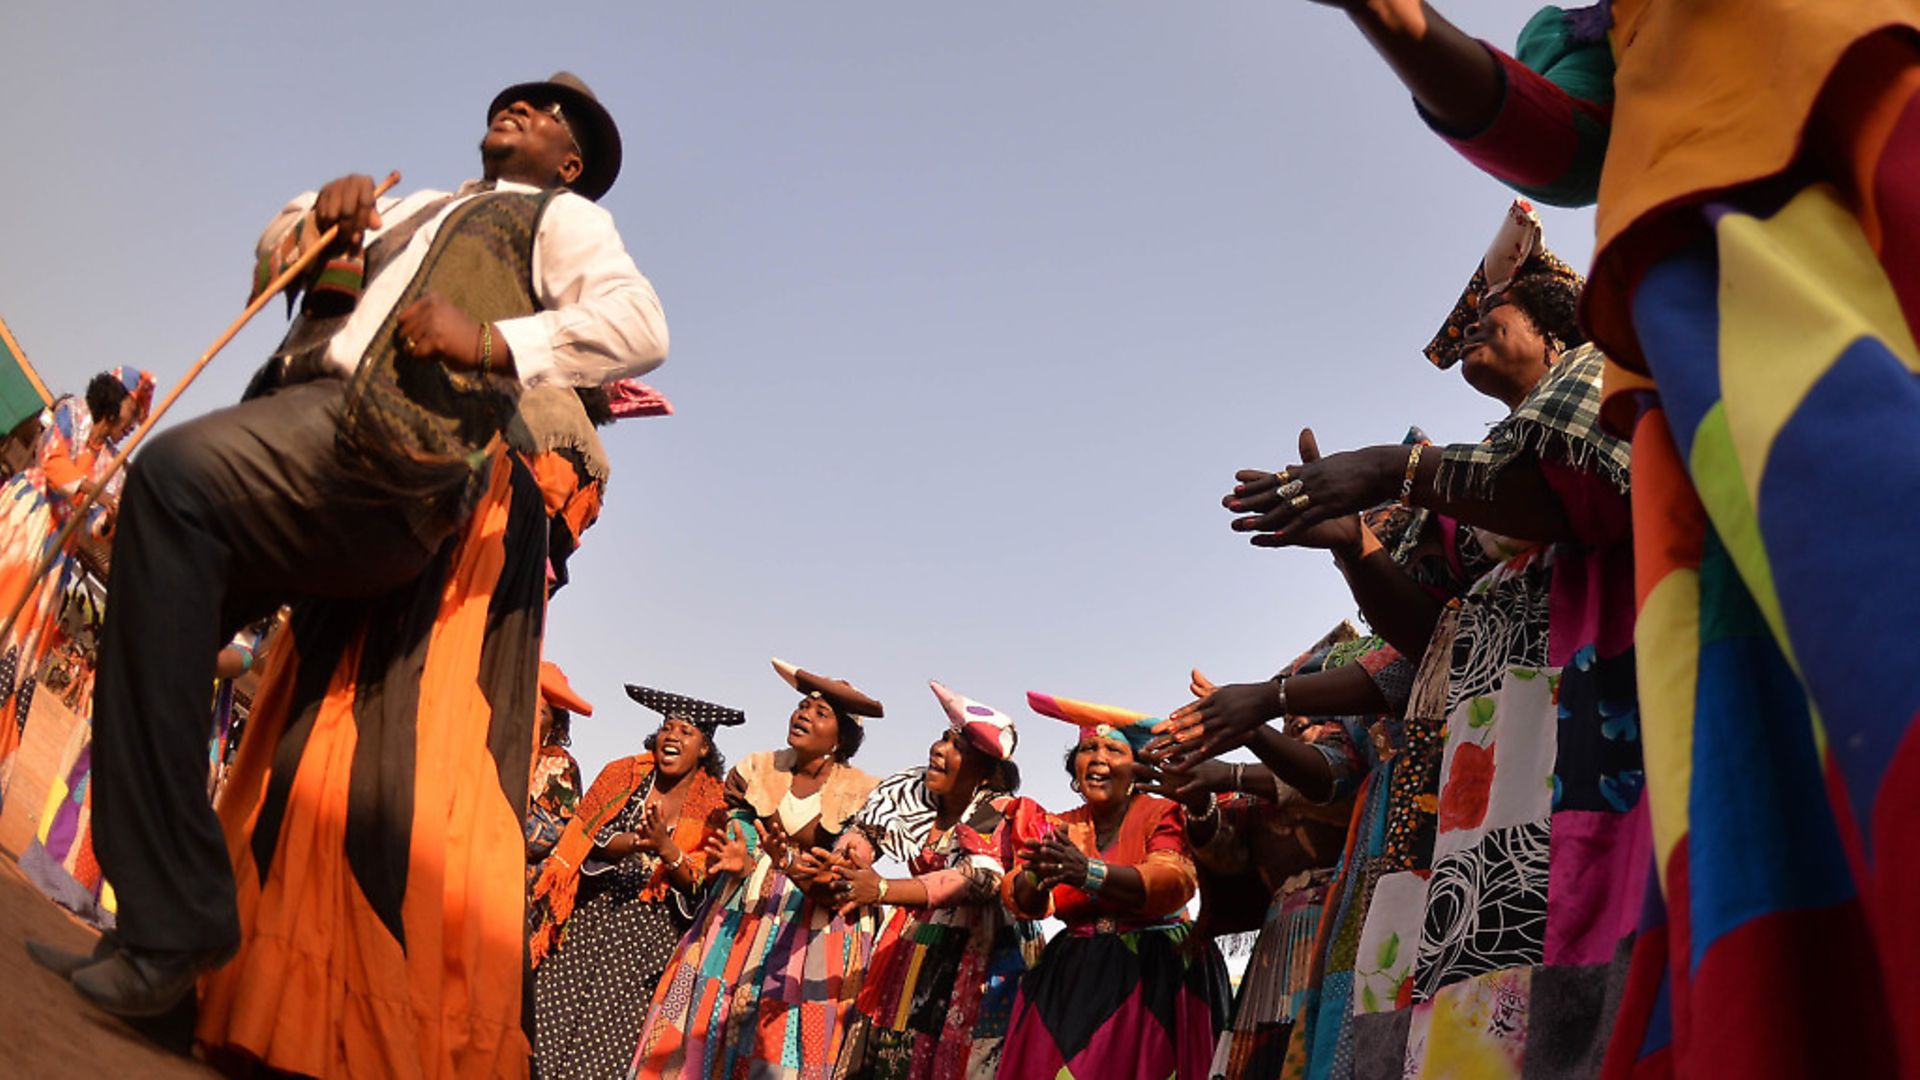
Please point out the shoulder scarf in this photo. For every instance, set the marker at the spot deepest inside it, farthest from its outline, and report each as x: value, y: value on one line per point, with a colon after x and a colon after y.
x: 899, y: 816
x: 1563, y: 412
x: 764, y: 778
x: 556, y: 420
x: 559, y: 882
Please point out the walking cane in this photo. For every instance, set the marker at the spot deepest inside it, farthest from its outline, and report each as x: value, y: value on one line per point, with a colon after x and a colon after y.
x: 87, y: 497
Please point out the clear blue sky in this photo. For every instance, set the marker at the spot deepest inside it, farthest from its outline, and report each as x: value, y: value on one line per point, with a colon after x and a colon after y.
x: 975, y: 308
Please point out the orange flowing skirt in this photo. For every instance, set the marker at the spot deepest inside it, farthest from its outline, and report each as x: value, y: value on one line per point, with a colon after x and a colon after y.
x: 373, y: 816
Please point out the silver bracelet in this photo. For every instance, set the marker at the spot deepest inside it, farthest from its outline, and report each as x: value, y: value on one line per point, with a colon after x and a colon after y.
x: 1239, y: 775
x: 1280, y: 688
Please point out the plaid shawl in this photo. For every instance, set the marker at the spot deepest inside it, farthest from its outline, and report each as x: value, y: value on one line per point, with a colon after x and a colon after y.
x: 1563, y: 412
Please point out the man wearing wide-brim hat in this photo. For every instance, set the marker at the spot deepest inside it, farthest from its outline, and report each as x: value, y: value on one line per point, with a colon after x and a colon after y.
x: 384, y: 412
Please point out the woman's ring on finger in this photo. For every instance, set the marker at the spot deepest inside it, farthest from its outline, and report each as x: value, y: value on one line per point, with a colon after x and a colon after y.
x: 1298, y: 502
x: 1292, y: 488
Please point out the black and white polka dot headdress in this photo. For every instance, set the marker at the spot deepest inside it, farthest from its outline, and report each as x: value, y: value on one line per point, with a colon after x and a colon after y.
x: 704, y: 715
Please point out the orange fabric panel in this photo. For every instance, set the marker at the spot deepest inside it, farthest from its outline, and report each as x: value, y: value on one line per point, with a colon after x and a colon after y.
x: 582, y: 511
x: 1668, y: 518
x: 320, y: 986
x: 557, y: 477
x: 567, y: 498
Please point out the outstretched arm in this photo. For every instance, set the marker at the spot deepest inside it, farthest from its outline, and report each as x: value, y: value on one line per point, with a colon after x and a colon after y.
x: 1395, y: 605
x: 1537, y: 120
x: 1453, y: 77
x: 1519, y: 503
x: 1236, y: 715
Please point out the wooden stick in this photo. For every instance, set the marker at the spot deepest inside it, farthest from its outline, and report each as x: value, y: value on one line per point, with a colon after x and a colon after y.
x: 89, y: 493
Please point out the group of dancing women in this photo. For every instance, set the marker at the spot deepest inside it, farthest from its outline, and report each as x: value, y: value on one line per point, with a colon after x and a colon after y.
x: 1615, y: 782
x: 1395, y: 861
x: 1614, y: 787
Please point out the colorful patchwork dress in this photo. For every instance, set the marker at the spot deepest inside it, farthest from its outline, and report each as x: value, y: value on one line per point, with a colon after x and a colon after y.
x: 1121, y: 992
x: 554, y: 787
x: 1277, y: 844
x: 52, y: 648
x: 1300, y: 1000
x: 764, y: 981
x: 35, y: 504
x: 940, y: 989
x: 1754, y: 166
x: 1498, y: 946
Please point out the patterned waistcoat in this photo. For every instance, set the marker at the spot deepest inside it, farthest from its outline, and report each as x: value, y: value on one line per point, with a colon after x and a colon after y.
x: 417, y: 429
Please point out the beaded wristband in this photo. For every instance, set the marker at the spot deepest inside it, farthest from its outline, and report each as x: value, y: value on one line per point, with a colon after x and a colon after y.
x: 1096, y: 876
x: 1406, y: 482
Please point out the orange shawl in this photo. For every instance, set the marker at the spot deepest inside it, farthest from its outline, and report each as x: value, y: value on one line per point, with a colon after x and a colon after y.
x: 701, y: 815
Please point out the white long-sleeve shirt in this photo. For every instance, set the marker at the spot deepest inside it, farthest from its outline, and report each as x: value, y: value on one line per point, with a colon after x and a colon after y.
x: 601, y: 319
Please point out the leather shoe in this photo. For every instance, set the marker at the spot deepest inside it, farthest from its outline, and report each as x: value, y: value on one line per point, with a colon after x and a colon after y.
x: 64, y: 962
x: 138, y: 982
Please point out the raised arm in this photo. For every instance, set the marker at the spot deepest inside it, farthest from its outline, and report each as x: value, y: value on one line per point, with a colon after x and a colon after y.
x: 1451, y: 75
x: 1537, y: 120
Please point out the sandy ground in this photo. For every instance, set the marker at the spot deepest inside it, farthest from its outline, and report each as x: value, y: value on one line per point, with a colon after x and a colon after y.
x: 47, y: 1030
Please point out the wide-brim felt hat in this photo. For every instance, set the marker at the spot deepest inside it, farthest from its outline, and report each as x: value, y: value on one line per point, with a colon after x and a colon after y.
x: 704, y: 715
x: 593, y: 127
x: 844, y: 696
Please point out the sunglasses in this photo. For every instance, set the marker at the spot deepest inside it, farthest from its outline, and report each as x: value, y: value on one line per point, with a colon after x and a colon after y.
x: 552, y: 109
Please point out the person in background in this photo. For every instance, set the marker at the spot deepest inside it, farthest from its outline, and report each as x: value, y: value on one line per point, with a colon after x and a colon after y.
x: 70, y: 458
x: 1517, y: 839
x: 1267, y: 858
x: 553, y: 781
x: 1127, y: 989
x: 621, y: 886
x: 938, y: 993
x: 1751, y: 166
x: 765, y: 980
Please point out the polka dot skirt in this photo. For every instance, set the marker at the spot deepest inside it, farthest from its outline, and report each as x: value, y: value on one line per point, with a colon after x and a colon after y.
x: 591, y: 994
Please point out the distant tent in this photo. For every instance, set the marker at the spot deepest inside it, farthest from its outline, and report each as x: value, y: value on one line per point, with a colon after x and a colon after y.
x: 22, y: 397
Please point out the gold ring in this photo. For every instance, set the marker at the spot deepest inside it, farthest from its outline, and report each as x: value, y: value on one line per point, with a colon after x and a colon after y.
x: 1281, y: 477
x: 406, y: 343
x: 1298, y: 502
